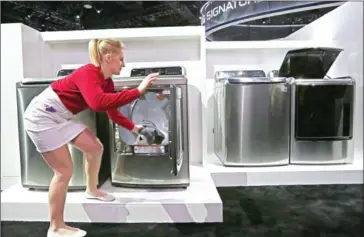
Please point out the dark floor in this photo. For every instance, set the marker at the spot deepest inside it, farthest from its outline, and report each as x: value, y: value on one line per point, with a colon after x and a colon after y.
x: 296, y: 211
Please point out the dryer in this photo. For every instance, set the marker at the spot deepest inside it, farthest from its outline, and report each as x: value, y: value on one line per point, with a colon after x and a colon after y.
x: 137, y: 163
x: 322, y: 108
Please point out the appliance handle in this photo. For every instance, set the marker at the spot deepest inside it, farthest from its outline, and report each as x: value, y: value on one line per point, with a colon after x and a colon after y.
x: 172, y: 148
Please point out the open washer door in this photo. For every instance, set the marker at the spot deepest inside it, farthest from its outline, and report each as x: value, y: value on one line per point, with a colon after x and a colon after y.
x: 175, y: 132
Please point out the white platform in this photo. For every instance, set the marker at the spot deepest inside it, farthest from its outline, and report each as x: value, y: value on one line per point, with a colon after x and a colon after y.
x: 284, y: 175
x: 198, y: 203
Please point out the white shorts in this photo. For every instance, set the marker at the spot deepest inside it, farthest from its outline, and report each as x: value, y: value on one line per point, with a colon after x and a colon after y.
x: 49, y: 123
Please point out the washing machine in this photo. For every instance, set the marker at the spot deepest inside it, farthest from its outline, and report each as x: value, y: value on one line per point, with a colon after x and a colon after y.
x: 252, y: 118
x: 163, y: 164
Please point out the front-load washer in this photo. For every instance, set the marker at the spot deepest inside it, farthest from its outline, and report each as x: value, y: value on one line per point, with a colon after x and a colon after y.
x: 137, y: 163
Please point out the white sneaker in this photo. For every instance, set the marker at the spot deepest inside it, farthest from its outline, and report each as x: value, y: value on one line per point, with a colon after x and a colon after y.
x: 105, y: 198
x: 79, y: 233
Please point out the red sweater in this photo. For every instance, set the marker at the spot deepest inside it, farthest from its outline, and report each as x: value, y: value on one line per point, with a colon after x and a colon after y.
x: 86, y: 88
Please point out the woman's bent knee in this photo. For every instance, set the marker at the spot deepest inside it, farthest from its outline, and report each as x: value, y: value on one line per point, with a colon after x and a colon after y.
x: 88, y: 143
x: 64, y: 174
x: 96, y: 149
x: 60, y: 162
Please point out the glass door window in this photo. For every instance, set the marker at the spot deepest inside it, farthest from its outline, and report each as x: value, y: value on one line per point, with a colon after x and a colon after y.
x: 324, y: 112
x: 151, y: 110
x: 161, y: 109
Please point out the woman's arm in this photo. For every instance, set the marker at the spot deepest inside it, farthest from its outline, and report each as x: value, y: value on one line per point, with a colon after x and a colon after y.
x: 89, y: 84
x: 114, y: 114
x: 120, y: 119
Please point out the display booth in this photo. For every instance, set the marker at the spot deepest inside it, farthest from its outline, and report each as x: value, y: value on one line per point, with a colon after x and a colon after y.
x: 27, y: 53
x: 327, y: 31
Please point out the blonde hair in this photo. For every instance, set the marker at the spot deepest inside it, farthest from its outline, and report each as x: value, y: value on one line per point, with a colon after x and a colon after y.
x: 99, y: 47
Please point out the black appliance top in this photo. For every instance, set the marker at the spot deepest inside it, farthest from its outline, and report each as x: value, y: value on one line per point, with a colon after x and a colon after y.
x: 308, y: 63
x: 163, y: 71
x: 64, y: 72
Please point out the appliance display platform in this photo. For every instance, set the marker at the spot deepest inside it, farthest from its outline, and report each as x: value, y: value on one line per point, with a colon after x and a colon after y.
x: 199, y: 203
x: 284, y: 175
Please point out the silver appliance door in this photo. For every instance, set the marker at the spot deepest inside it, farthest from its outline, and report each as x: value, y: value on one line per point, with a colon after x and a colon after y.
x: 176, y: 130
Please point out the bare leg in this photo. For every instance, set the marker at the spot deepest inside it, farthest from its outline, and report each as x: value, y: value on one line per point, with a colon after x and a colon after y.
x: 60, y: 161
x: 92, y: 148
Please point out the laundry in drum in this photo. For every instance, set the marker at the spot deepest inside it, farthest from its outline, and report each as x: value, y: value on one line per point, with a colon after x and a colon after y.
x: 150, y: 134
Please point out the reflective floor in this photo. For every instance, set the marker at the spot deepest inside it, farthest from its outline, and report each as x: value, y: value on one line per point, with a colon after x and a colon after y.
x: 299, y: 211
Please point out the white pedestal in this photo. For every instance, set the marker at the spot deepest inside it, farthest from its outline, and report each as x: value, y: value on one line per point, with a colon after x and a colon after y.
x: 200, y: 202
x: 284, y: 175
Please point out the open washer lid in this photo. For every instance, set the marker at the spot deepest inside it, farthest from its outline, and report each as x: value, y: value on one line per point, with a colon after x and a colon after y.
x: 308, y: 63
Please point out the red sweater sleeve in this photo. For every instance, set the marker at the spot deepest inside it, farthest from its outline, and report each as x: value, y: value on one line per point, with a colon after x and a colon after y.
x: 120, y: 119
x: 114, y: 114
x: 90, y: 85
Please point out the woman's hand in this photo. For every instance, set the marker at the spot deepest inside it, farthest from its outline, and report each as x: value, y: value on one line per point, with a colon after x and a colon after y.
x: 137, y: 129
x: 147, y: 82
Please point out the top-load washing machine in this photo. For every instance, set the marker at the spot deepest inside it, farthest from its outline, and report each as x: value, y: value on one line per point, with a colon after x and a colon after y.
x: 158, y: 158
x: 322, y: 108
x: 251, y: 123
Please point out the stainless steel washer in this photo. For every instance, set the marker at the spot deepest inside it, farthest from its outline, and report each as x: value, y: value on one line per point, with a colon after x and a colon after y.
x: 135, y: 164
x: 251, y: 124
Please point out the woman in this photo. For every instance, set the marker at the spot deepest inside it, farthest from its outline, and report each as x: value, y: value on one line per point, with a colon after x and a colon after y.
x: 50, y: 125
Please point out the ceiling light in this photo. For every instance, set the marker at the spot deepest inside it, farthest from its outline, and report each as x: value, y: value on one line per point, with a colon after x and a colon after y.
x: 87, y: 6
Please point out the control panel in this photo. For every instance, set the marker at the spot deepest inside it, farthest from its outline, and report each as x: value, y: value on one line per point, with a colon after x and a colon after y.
x: 241, y: 73
x: 163, y: 71
x: 254, y: 73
